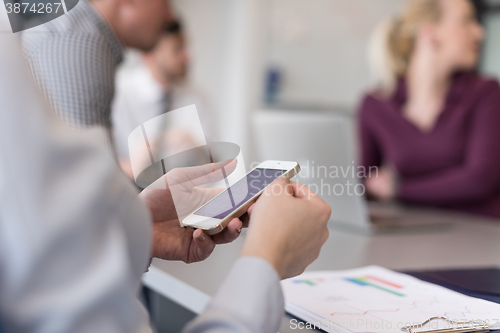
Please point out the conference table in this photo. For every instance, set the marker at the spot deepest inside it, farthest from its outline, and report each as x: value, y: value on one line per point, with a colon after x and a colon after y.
x: 464, y: 241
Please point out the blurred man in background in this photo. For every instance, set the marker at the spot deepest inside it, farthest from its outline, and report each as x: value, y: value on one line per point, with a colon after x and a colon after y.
x: 153, y: 87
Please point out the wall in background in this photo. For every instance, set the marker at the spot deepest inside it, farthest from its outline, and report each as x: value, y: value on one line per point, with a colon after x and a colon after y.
x: 320, y: 45
x: 226, y: 45
x: 490, y: 64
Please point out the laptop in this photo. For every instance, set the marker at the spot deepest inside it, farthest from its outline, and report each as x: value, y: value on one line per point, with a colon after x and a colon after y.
x: 323, y: 143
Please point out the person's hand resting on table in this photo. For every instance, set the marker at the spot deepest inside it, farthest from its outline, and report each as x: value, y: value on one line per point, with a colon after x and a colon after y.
x: 384, y: 185
x: 170, y: 240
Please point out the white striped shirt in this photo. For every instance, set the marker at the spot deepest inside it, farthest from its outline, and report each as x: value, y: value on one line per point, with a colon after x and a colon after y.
x: 74, y: 58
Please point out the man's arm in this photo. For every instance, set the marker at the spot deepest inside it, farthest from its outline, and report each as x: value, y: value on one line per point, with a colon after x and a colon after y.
x: 248, y: 300
x: 76, y: 72
x: 74, y: 237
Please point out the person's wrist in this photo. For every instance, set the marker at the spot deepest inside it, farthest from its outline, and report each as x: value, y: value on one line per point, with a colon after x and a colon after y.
x: 273, y: 255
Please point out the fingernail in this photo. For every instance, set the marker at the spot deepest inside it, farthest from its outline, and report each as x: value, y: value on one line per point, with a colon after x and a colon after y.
x: 201, y: 236
x: 239, y: 230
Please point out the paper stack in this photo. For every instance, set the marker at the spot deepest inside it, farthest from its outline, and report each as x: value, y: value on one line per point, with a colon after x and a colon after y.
x: 375, y: 299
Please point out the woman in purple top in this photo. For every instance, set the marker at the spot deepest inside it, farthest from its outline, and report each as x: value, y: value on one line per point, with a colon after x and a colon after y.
x: 433, y: 126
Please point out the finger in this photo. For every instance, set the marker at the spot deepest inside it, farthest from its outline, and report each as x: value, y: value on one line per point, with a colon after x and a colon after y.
x: 245, y: 220
x: 205, y: 245
x: 302, y: 192
x: 250, y: 210
x: 288, y: 187
x: 229, y: 234
x: 279, y: 185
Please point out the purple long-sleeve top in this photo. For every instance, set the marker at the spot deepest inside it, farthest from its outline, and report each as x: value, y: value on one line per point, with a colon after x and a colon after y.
x: 457, y: 164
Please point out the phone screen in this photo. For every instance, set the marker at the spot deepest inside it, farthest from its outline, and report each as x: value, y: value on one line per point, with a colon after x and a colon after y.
x: 236, y: 195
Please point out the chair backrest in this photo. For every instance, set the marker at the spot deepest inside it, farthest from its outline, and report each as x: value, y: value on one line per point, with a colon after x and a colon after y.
x: 323, y: 144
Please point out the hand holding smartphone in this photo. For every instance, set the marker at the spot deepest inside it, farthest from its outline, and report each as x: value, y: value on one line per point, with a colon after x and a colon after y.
x: 233, y: 202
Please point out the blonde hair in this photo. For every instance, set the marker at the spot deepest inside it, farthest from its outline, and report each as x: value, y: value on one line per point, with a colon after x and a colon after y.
x: 393, y: 42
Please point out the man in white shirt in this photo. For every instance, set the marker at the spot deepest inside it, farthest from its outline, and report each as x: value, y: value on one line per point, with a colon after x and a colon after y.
x: 156, y: 85
x: 75, y: 239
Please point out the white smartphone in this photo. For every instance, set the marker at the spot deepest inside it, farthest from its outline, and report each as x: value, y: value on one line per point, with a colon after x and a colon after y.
x: 233, y: 202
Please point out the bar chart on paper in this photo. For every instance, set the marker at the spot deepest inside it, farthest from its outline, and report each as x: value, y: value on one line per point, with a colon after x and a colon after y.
x: 375, y: 299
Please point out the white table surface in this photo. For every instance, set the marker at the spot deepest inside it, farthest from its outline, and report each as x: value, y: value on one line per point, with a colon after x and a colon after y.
x: 467, y: 242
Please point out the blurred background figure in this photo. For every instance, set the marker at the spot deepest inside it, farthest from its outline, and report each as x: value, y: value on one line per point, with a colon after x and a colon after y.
x: 74, y: 58
x: 432, y: 125
x: 153, y: 86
